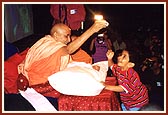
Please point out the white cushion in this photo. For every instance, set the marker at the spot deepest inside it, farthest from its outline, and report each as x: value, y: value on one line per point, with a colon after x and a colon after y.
x: 79, y: 79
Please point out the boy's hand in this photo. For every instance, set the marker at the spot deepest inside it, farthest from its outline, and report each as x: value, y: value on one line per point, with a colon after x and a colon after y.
x: 110, y: 54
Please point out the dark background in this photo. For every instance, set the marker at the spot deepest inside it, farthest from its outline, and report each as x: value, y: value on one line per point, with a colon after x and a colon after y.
x: 124, y: 18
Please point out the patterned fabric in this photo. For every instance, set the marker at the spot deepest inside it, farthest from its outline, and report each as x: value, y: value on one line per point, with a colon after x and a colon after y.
x: 46, y: 89
x: 22, y: 82
x: 105, y: 101
x: 136, y: 94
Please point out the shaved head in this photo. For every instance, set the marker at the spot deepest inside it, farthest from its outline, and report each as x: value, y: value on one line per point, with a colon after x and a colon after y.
x: 61, y: 33
x: 59, y: 29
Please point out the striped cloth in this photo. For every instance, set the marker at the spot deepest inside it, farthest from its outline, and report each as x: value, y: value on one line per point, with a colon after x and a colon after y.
x: 136, y: 94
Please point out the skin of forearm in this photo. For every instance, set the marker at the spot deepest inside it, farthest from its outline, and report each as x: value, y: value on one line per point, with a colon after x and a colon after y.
x: 108, y: 44
x: 73, y: 46
x: 114, y: 88
x: 92, y: 45
x: 110, y: 62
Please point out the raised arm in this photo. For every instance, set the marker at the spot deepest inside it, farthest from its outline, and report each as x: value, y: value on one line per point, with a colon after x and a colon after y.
x: 73, y: 46
x: 110, y: 55
x: 108, y: 41
x: 92, y: 45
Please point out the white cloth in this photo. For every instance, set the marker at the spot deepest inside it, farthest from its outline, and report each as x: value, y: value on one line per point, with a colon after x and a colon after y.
x: 38, y: 101
x: 79, y: 79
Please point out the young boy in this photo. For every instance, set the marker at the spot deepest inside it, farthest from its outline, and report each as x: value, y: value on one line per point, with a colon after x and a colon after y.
x: 133, y: 93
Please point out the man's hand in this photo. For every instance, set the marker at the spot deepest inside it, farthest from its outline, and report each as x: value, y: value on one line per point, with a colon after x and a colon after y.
x: 99, y: 24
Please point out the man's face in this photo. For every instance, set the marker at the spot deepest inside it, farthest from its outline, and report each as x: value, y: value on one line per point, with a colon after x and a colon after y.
x: 63, y: 34
x: 123, y: 59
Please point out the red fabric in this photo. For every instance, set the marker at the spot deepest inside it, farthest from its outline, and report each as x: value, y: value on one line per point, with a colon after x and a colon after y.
x: 46, y: 90
x: 10, y: 77
x: 22, y: 82
x: 54, y: 10
x: 105, y: 101
x: 137, y: 95
x: 74, y: 14
x: 11, y: 72
x: 74, y: 20
x: 13, y: 81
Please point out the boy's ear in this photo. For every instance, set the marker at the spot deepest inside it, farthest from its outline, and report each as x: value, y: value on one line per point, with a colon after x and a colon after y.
x: 130, y: 64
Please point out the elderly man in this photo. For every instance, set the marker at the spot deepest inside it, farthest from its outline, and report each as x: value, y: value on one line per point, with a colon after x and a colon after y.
x: 52, y: 53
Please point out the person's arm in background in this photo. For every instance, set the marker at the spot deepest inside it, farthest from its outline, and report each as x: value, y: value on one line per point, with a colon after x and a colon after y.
x: 92, y: 45
x: 108, y: 41
x: 73, y: 46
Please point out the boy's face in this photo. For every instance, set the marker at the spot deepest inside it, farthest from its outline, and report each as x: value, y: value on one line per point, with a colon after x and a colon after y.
x: 123, y: 59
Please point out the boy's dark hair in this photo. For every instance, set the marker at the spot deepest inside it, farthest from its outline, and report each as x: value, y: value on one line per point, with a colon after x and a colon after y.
x: 116, y: 55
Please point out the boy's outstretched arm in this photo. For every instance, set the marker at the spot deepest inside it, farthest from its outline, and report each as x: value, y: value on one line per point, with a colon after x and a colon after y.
x: 114, y: 88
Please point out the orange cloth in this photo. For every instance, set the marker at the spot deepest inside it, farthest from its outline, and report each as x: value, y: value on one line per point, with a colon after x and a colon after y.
x: 82, y: 56
x: 43, y: 59
x: 40, y: 70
